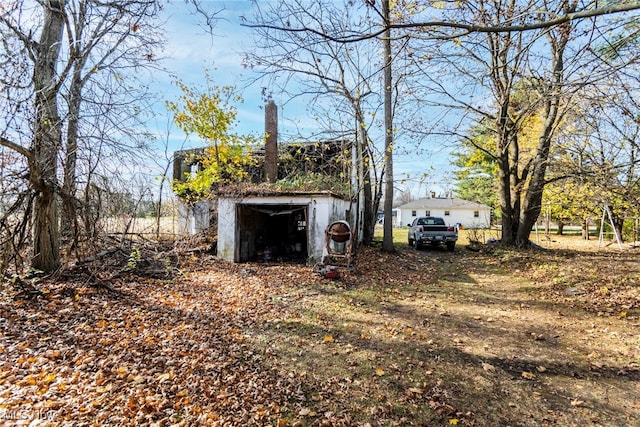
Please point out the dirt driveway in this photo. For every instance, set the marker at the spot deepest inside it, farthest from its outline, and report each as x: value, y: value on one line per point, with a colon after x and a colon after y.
x: 494, y: 338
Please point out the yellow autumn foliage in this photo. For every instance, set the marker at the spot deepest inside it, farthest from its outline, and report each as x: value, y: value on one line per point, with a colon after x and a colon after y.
x: 210, y: 114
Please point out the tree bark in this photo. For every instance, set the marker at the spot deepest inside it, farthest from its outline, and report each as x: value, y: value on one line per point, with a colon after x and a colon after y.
x: 504, y: 195
x: 69, y: 186
x: 47, y: 140
x: 364, y: 182
x: 370, y: 206
x: 387, y: 239
x: 69, y: 220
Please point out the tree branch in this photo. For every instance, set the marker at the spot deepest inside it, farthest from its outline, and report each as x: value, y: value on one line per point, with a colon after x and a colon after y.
x: 466, y: 28
x: 17, y: 148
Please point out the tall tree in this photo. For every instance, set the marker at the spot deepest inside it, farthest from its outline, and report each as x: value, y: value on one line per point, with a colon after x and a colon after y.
x: 344, y: 76
x: 105, y: 40
x: 387, y: 237
x: 47, y: 138
x: 63, y: 45
x: 537, y: 72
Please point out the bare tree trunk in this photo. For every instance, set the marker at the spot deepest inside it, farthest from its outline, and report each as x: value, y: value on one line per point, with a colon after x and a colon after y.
x: 364, y: 182
x: 46, y: 241
x: 69, y: 220
x: 163, y: 180
x: 387, y: 238
x: 47, y: 140
x: 69, y: 186
x: 532, y: 203
x: 506, y: 144
x: 370, y: 207
x: 585, y: 229
x: 617, y: 220
x: 504, y: 195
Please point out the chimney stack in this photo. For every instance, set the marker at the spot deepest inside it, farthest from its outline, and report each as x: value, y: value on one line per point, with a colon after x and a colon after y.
x: 271, y: 142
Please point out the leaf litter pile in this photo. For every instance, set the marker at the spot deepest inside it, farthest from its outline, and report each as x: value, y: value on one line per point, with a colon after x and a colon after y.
x: 428, y: 337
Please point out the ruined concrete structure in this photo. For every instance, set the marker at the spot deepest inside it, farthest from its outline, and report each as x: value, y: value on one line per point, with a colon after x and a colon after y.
x: 186, y: 162
x: 266, y: 224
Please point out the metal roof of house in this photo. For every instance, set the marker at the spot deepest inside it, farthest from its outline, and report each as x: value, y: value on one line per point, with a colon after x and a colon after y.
x: 443, y: 203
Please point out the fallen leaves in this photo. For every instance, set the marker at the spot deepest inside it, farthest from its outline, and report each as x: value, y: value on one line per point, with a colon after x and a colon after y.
x: 584, y: 281
x: 306, y: 412
x: 578, y: 402
x: 488, y: 367
x: 528, y: 375
x: 268, y: 344
x: 414, y: 391
x: 156, y: 352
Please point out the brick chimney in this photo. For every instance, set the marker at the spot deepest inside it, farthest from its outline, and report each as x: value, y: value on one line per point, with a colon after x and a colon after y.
x: 271, y: 142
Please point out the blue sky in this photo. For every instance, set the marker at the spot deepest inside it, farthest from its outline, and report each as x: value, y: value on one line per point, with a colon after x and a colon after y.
x: 190, y: 50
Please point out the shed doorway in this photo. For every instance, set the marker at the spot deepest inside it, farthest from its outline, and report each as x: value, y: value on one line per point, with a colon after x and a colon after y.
x: 272, y: 233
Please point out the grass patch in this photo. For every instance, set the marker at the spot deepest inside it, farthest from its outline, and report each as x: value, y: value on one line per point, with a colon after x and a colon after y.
x: 436, y: 338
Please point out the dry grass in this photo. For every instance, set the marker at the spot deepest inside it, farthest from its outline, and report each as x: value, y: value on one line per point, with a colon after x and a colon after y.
x: 147, y: 227
x: 432, y: 338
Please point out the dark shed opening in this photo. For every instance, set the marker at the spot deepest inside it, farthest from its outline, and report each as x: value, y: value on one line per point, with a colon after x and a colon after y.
x: 272, y: 232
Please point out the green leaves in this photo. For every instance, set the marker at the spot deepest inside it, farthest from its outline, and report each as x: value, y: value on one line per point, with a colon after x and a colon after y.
x: 210, y: 114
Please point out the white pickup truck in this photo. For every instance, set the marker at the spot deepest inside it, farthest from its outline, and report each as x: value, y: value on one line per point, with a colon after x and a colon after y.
x: 432, y: 231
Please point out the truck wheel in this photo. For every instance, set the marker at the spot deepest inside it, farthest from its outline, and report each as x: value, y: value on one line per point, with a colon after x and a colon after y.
x: 451, y: 246
x: 418, y: 244
x: 410, y: 241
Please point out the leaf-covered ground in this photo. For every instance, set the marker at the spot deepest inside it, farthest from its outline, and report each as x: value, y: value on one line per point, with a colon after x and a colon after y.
x: 413, y: 338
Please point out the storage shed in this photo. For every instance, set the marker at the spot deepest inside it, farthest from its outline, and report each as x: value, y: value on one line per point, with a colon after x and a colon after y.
x: 277, y: 226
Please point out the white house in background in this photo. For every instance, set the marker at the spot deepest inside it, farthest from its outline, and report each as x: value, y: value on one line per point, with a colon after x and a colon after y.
x: 454, y: 211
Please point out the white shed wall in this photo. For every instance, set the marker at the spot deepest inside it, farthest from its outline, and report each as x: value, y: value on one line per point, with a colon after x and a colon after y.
x: 226, y: 229
x: 322, y: 211
x: 193, y: 219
